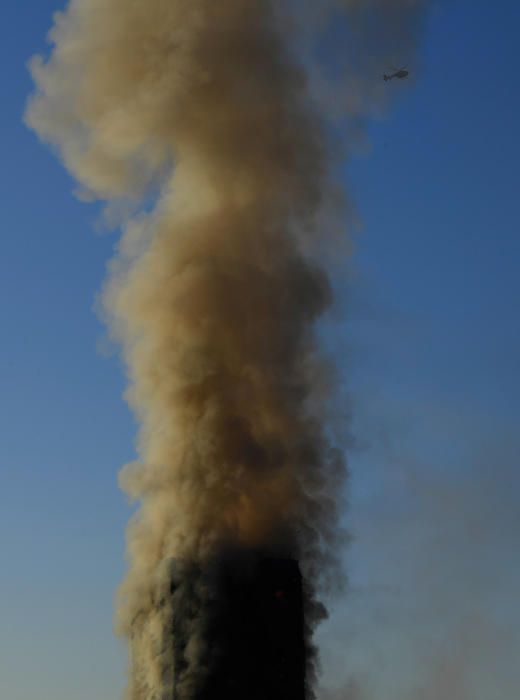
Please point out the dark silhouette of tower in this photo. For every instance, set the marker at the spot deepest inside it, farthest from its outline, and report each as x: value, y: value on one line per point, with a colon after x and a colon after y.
x: 250, y: 613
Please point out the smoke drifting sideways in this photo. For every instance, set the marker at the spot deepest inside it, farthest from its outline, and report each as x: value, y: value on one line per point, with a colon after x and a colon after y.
x: 434, y: 573
x: 204, y: 117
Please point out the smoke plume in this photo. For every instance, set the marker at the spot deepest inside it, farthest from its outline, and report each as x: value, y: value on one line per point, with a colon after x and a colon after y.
x: 209, y: 117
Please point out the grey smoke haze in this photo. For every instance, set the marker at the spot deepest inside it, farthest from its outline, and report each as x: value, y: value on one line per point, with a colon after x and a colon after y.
x: 215, y: 113
x: 432, y: 612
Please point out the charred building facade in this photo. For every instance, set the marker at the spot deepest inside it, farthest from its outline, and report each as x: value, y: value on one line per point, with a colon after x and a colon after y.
x: 241, y: 621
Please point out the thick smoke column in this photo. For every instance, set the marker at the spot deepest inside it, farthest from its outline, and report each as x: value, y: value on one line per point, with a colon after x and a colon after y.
x: 200, y: 111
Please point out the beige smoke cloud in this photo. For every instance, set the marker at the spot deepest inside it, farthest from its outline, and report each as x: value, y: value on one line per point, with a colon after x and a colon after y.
x: 203, y: 108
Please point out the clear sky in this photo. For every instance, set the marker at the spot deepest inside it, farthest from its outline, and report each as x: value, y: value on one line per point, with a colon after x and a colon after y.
x: 428, y: 339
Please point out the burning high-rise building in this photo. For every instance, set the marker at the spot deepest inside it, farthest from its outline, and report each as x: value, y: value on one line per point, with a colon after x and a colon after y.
x: 201, y: 112
x: 252, y: 611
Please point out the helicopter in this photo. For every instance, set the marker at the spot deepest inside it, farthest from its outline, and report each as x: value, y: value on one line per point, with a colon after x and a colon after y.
x: 400, y: 73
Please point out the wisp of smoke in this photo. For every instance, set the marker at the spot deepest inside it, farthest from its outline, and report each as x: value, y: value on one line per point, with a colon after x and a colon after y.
x: 202, y: 112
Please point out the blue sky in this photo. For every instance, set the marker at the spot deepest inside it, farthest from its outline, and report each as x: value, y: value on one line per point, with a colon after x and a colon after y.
x: 429, y: 346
